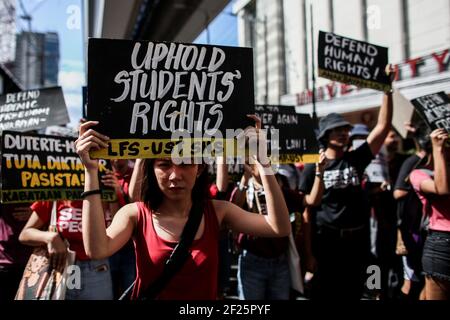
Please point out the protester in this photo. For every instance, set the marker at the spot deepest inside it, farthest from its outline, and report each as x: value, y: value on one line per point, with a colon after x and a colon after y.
x: 433, y: 188
x: 263, y: 269
x: 384, y: 212
x: 13, y: 254
x: 341, y: 222
x: 123, y: 262
x: 411, y: 224
x: 169, y: 191
x: 95, y: 274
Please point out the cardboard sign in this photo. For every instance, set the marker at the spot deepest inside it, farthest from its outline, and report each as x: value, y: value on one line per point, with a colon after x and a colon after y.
x: 142, y: 92
x: 434, y: 110
x: 403, y: 112
x: 297, y: 139
x: 43, y: 168
x: 353, y: 62
x: 32, y: 110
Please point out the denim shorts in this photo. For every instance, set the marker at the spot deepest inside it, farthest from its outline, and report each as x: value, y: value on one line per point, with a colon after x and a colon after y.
x: 436, y: 255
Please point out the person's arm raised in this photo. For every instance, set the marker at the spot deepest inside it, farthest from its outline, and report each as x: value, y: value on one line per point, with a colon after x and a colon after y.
x: 135, y: 187
x: 384, y: 124
x: 276, y: 223
x: 440, y: 184
x: 99, y: 243
x: 314, y: 198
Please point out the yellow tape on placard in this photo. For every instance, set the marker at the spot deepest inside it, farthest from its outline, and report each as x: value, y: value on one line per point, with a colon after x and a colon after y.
x: 188, y: 148
x: 165, y: 148
x: 353, y: 80
x: 32, y: 195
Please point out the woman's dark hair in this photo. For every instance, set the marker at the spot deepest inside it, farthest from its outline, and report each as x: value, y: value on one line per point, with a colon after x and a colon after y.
x: 422, y: 137
x: 152, y: 195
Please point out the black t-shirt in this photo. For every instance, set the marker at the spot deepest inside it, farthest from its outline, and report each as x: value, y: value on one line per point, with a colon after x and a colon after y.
x: 405, y: 170
x: 344, y: 203
x: 409, y: 208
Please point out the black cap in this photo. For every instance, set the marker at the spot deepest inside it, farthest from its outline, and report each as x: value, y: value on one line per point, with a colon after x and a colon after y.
x: 330, y: 122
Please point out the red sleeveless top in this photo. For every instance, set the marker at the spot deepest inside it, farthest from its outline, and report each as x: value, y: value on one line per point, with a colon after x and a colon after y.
x: 197, y: 279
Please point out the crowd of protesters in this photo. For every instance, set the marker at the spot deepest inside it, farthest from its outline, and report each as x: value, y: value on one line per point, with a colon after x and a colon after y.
x: 342, y: 222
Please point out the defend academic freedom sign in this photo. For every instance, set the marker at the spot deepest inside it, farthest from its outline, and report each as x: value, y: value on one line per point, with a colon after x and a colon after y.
x: 353, y: 62
x: 43, y: 168
x: 33, y: 109
x: 297, y: 139
x: 142, y: 92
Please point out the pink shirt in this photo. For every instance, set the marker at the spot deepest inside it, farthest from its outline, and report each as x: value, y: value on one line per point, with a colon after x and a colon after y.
x: 438, y: 207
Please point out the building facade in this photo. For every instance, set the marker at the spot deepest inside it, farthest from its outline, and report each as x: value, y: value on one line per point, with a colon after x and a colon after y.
x: 284, y: 35
x: 37, y: 59
x: 7, y: 30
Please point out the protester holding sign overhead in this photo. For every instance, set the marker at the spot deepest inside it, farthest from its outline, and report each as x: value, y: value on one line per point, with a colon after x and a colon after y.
x: 341, y: 222
x: 172, y: 195
x: 142, y: 92
x: 263, y: 269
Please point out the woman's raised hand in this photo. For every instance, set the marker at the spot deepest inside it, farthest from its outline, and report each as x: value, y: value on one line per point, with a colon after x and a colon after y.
x: 88, y: 140
x: 260, y: 137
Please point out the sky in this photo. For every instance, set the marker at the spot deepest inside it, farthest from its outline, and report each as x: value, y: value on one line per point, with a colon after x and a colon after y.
x: 64, y: 17
x: 222, y: 30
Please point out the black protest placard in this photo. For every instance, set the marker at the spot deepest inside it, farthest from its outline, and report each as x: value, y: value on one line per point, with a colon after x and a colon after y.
x: 33, y: 109
x: 353, y: 62
x: 43, y: 168
x: 142, y: 92
x: 434, y: 110
x: 297, y: 140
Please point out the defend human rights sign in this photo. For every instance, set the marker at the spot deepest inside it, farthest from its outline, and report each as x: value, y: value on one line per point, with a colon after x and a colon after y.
x: 353, y: 62
x: 33, y: 109
x: 43, y: 168
x: 142, y: 92
x: 297, y: 139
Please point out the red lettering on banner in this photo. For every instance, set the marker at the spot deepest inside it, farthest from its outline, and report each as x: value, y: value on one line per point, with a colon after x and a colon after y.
x: 440, y: 58
x: 397, y: 72
x: 346, y: 89
x: 331, y: 87
x: 413, y: 64
x: 320, y: 94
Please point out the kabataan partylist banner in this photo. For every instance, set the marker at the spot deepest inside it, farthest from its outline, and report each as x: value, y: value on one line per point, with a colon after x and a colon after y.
x: 33, y: 110
x: 296, y: 140
x: 143, y: 92
x: 43, y: 168
x: 353, y: 62
x: 434, y: 110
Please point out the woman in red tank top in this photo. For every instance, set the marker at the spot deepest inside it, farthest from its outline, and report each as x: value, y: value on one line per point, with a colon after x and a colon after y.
x: 156, y: 223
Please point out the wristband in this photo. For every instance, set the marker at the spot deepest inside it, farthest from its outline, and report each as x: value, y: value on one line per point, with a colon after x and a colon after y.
x: 90, y: 193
